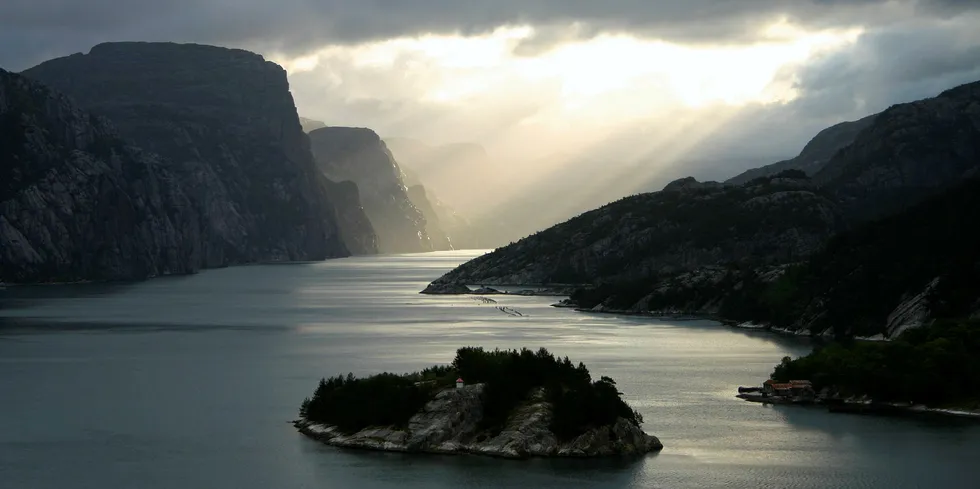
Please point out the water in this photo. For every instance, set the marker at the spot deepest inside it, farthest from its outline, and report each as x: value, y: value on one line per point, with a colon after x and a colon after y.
x: 189, y: 382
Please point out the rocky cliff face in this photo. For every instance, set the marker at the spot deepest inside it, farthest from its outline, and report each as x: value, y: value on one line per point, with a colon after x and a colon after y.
x: 77, y: 202
x: 226, y: 123
x: 450, y: 424
x: 815, y: 154
x: 353, y: 224
x: 434, y: 227
x: 358, y: 155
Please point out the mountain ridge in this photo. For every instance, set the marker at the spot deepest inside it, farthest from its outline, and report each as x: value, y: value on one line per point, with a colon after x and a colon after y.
x: 723, y: 233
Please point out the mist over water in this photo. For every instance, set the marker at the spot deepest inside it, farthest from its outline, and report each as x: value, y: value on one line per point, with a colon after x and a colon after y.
x: 190, y: 382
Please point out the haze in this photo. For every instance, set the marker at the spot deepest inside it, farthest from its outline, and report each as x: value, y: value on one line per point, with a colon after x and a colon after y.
x: 576, y: 103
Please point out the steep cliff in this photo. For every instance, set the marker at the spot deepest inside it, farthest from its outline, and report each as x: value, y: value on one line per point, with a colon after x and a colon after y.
x: 815, y: 154
x: 358, y: 155
x: 353, y: 224
x: 77, y: 202
x: 226, y: 123
x: 434, y: 226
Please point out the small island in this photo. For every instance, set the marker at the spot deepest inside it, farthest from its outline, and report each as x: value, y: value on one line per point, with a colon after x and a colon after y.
x: 501, y: 403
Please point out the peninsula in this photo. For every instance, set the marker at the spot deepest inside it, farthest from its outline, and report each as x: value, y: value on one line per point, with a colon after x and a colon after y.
x: 502, y: 403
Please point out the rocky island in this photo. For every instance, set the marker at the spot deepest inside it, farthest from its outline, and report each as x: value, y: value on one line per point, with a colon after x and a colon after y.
x: 513, y: 404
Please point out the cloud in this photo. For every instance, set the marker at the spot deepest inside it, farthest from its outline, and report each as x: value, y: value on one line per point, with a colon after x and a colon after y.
x: 32, y: 30
x: 909, y: 49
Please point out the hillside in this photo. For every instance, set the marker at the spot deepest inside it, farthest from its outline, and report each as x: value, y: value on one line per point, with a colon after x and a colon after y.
x: 707, y: 248
x: 881, y: 278
x: 815, y: 154
x: 686, y: 226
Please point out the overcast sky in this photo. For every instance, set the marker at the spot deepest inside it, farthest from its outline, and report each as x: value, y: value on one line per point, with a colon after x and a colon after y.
x: 659, y: 83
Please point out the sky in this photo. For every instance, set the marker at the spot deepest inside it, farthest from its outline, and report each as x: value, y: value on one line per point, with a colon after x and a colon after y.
x: 665, y: 88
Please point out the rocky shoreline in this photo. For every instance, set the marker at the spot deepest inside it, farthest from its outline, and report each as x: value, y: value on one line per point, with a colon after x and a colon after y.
x: 449, y: 424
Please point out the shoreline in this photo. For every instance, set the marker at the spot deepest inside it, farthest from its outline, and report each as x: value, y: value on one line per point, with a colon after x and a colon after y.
x: 329, y: 436
x: 844, y: 406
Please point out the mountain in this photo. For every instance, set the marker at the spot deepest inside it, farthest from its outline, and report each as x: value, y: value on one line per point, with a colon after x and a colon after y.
x: 441, y: 240
x: 686, y: 226
x: 880, y: 278
x: 355, y: 227
x: 225, y: 123
x: 359, y: 155
x: 909, y: 152
x: 708, y: 248
x: 310, y: 125
x: 815, y: 154
x: 77, y: 202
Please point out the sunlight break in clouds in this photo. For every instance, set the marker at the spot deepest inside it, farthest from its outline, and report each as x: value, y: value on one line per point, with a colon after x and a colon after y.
x: 535, y: 114
x: 588, y: 73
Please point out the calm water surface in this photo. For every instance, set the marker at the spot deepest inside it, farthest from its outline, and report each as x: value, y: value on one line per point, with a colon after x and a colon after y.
x: 189, y: 383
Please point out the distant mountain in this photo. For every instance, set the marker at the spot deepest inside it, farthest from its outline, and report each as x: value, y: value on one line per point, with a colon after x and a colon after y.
x: 77, y: 202
x: 434, y: 226
x: 225, y: 123
x: 356, y: 230
x: 310, y: 124
x: 815, y: 154
x: 686, y: 248
x: 358, y: 155
x: 441, y: 169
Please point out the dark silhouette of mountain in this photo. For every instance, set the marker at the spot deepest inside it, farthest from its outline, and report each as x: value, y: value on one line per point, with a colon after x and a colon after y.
x: 225, y: 123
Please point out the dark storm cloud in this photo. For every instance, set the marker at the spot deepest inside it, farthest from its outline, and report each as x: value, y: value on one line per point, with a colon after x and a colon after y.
x: 31, y: 30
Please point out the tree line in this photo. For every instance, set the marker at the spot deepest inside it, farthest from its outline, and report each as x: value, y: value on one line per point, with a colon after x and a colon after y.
x: 510, y: 378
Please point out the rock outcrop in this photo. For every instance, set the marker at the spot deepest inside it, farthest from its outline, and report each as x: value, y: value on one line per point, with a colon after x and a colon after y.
x: 225, y: 123
x: 450, y: 424
x: 358, y: 155
x: 77, y: 202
